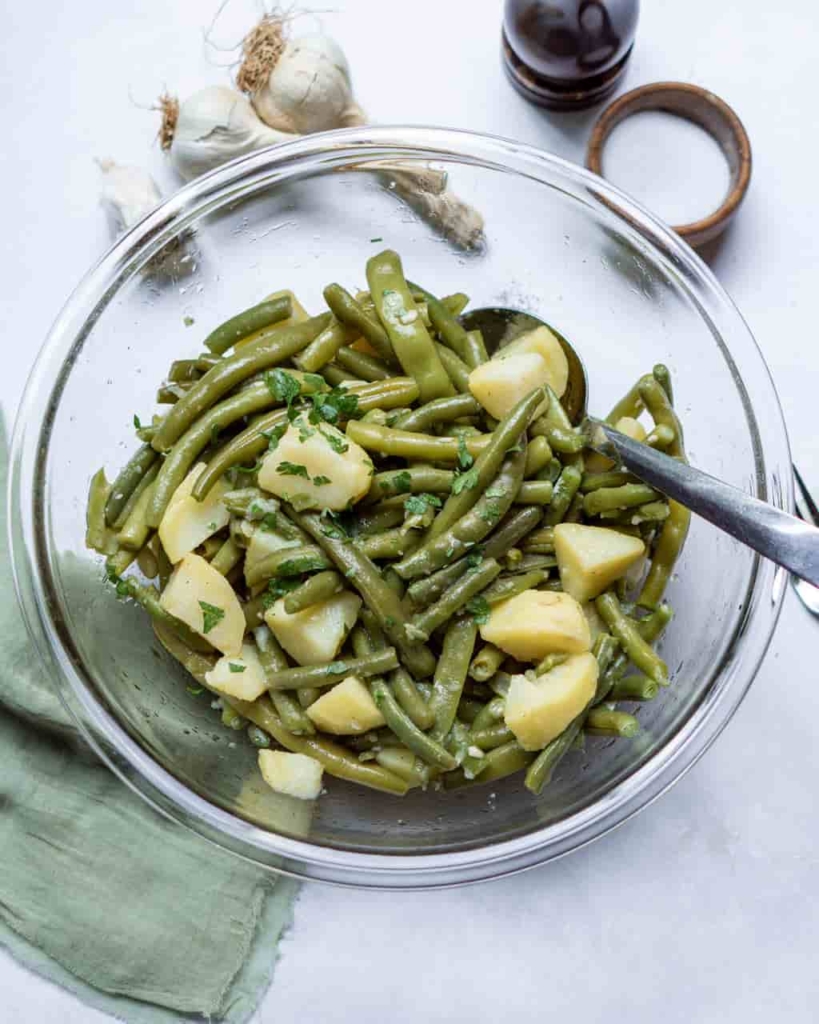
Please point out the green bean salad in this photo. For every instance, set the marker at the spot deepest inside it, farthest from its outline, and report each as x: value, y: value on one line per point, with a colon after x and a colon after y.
x: 388, y: 552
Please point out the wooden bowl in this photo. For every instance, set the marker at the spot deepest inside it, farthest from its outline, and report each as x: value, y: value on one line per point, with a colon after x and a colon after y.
x: 706, y: 110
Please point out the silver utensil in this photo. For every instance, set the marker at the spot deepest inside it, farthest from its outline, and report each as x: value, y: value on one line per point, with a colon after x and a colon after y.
x: 783, y: 538
x: 806, y: 509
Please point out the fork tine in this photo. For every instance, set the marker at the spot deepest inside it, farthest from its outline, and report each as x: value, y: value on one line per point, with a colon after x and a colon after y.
x: 804, y: 493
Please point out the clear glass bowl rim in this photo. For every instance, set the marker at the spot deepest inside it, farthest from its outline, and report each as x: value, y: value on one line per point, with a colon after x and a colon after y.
x: 318, y: 154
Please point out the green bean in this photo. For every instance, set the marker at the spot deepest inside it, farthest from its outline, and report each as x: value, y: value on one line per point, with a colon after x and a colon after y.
x: 662, y: 412
x: 633, y: 644
x: 469, y: 756
x: 352, y: 314
x: 549, y: 662
x: 564, y: 490
x: 252, y: 503
x: 136, y: 495
x: 267, y: 351
x: 487, y: 464
x: 291, y: 561
x: 490, y: 714
x: 363, y: 366
x: 604, y: 721
x: 379, y: 518
x: 307, y: 695
x: 254, y: 440
x: 652, y: 512
x: 323, y: 349
x: 510, y: 586
x: 209, y: 547
x: 471, y: 528
x: 266, y: 313
x: 410, y: 698
x: 135, y: 530
x: 183, y: 454
x: 315, y: 589
x: 662, y: 375
x: 227, y: 557
x: 453, y: 599
x: 169, y: 393
x: 475, y: 352
x: 332, y: 673
x: 499, y: 763
x: 540, y: 770
x: 97, y: 535
x: 456, y: 303
x: 273, y: 660
x: 556, y: 426
x: 666, y: 551
x: 489, y: 737
x: 608, y: 479
x: 147, y: 561
x: 389, y: 544
x: 195, y: 662
x: 535, y: 492
x: 486, y: 662
x: 662, y: 436
x: 630, y: 405
x: 409, y: 445
x: 410, y: 339
x: 381, y: 599
x: 337, y: 376
x: 606, y: 499
x: 455, y: 368
x: 405, y: 764
x: 413, y: 480
x: 469, y: 708
x: 636, y: 687
x: 441, y: 410
x: 148, y: 598
x: 513, y: 528
x: 128, y: 479
x: 445, y: 323
x: 427, y: 748
x: 450, y: 673
x: 538, y: 456
x: 513, y: 557
x: 254, y: 610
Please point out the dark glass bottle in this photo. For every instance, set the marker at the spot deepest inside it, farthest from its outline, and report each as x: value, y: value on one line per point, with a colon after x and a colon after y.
x: 568, y: 54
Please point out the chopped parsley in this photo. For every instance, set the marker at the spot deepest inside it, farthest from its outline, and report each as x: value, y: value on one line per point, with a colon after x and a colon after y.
x: 401, y: 483
x: 474, y: 558
x: 305, y: 433
x: 273, y: 437
x: 188, y: 321
x: 293, y: 469
x: 278, y: 588
x: 236, y: 668
x: 491, y: 512
x: 336, y: 443
x: 321, y: 481
x: 283, y: 386
x: 465, y: 481
x: 270, y: 521
x: 137, y: 422
x: 330, y: 406
x: 389, y: 622
x: 215, y: 431
x: 465, y: 460
x: 211, y: 616
x: 417, y: 504
x: 376, y: 239
x: 495, y: 491
x: 478, y: 608
x: 333, y: 527
x: 314, y: 380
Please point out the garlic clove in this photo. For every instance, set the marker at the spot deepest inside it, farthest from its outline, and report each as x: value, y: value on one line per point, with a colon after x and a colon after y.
x: 128, y: 193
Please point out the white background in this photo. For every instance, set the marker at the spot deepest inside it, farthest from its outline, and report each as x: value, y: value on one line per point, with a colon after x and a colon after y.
x: 703, y: 908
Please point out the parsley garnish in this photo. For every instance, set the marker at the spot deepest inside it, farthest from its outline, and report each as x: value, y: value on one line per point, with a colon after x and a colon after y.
x: 273, y: 437
x: 335, y: 443
x: 278, y: 588
x: 401, y: 483
x: 283, y: 386
x: 292, y: 469
x: 188, y: 321
x: 496, y: 491
x: 320, y: 480
x: 389, y: 622
x: 478, y: 608
x: 330, y: 406
x: 490, y: 513
x: 474, y: 558
x: 465, y: 460
x: 305, y: 433
x: 270, y: 521
x: 376, y: 239
x: 314, y: 380
x: 137, y: 422
x: 465, y: 481
x: 236, y: 668
x: 418, y: 504
x: 211, y: 616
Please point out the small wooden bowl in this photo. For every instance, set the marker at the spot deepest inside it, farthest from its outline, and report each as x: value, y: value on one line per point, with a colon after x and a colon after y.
x: 706, y: 110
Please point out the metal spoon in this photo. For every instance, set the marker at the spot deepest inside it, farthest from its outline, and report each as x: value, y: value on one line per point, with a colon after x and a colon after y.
x: 783, y: 538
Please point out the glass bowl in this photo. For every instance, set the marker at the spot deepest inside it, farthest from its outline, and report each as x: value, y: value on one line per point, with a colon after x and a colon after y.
x: 559, y: 242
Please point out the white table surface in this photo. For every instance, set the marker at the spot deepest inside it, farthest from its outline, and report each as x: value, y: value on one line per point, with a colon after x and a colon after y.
x: 701, y: 909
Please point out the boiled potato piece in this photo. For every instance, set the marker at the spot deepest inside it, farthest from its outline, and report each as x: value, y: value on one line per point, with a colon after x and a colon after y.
x: 544, y: 342
x: 241, y: 677
x: 597, y: 463
x: 315, y: 635
x: 292, y: 774
x: 188, y: 522
x: 320, y: 465
x: 204, y: 600
x: 538, y: 711
x: 348, y: 709
x: 263, y: 543
x: 501, y: 383
x: 591, y: 558
x: 536, y: 623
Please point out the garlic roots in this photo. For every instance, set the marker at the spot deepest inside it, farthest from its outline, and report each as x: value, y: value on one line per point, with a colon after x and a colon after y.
x: 214, y: 125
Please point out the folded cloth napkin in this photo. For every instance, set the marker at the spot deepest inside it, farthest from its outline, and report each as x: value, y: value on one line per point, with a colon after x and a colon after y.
x: 136, y: 915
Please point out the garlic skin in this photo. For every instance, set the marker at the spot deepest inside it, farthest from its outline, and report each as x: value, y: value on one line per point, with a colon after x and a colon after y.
x: 213, y: 126
x: 128, y: 193
x: 309, y: 88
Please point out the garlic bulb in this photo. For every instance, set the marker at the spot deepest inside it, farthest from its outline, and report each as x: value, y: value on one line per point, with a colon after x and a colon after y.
x: 128, y: 193
x: 455, y: 219
x: 297, y: 85
x: 214, y: 125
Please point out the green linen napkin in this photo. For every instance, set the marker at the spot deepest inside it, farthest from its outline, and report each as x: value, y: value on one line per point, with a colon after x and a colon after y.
x: 99, y: 893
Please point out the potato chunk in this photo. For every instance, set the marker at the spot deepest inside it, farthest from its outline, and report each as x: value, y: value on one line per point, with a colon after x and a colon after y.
x: 315, y: 635
x: 348, y: 709
x: 188, y: 522
x: 597, y: 463
x: 538, y: 711
x: 292, y: 774
x: 536, y: 623
x: 502, y: 382
x: 204, y: 600
x: 318, y: 466
x: 591, y: 558
x: 546, y: 344
x: 241, y: 677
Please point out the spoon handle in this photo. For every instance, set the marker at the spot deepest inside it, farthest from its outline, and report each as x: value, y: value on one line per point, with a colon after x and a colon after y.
x: 783, y: 538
